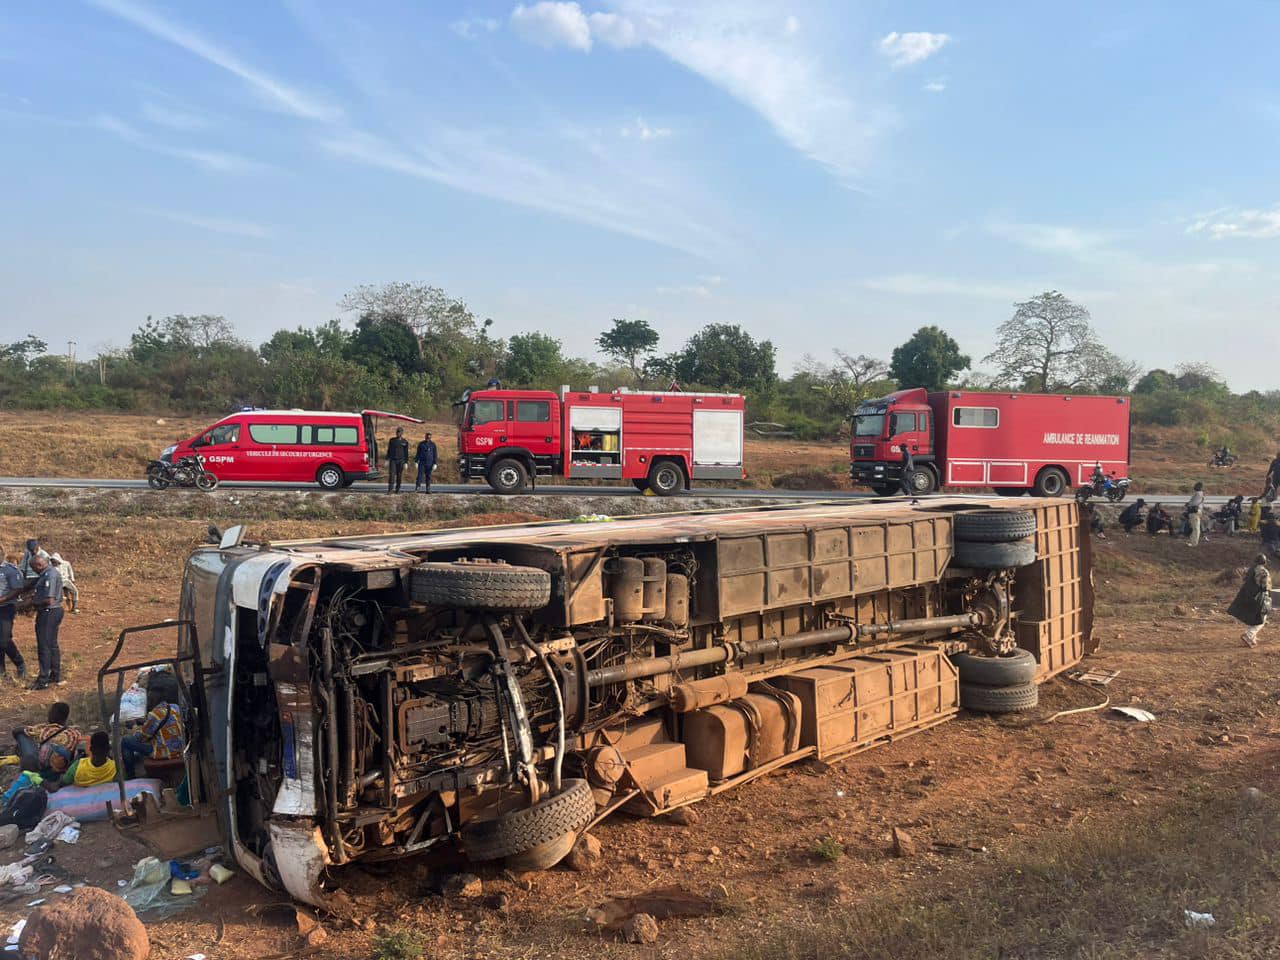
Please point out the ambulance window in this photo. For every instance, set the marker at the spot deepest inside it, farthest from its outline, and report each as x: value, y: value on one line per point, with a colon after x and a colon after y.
x: 274, y: 432
x: 902, y: 423
x: 330, y: 436
x: 227, y: 433
x: 988, y: 417
x: 487, y: 411
x: 533, y: 411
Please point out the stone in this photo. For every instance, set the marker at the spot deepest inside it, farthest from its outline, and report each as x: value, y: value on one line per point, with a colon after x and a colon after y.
x: 683, y: 817
x: 903, y: 845
x: 8, y: 835
x: 466, y: 885
x: 88, y: 924
x: 585, y: 855
x: 498, y: 902
x: 640, y: 928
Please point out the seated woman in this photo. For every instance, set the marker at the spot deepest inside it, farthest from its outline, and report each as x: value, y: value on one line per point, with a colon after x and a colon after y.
x: 161, y: 737
x: 48, y: 748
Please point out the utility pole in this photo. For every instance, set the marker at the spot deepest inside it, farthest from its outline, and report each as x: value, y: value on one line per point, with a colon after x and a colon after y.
x: 71, y: 360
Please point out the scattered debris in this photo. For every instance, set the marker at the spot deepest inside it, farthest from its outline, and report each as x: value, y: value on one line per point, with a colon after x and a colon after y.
x: 903, y: 845
x: 640, y: 928
x: 585, y: 855
x: 465, y: 885
x: 149, y: 890
x: 1135, y: 713
x: 1099, y: 678
x: 682, y: 817
x: 88, y: 924
x: 1194, y: 919
x: 309, y: 928
x: 498, y: 902
x: 8, y: 835
x: 660, y: 903
x: 220, y: 874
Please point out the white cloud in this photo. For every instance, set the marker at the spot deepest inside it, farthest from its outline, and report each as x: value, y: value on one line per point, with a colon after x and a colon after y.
x: 693, y: 290
x: 904, y: 49
x: 615, y: 30
x: 639, y: 130
x: 1050, y: 238
x: 791, y: 26
x: 553, y: 23
x: 474, y: 27
x: 1245, y: 224
x: 936, y: 86
x: 235, y: 228
x: 711, y: 279
x: 922, y: 285
x: 216, y: 161
x: 279, y: 94
x: 480, y: 163
x: 174, y: 118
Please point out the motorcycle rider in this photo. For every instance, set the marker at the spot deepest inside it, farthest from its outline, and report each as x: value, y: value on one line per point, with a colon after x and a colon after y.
x: 1221, y: 456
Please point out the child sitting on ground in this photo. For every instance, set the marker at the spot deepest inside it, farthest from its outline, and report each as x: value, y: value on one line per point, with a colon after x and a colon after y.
x: 96, y: 768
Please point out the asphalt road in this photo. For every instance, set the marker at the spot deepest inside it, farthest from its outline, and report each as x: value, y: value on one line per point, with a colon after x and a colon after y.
x: 473, y: 489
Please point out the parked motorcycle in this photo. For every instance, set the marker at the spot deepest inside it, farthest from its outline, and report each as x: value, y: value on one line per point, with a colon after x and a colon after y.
x: 1223, y: 460
x: 1113, y: 490
x: 187, y: 472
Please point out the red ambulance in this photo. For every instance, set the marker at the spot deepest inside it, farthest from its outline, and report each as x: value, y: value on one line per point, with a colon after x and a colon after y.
x: 659, y: 441
x: 1014, y: 443
x: 291, y: 446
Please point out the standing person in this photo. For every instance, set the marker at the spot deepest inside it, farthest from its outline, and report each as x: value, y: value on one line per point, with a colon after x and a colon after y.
x: 908, y: 468
x: 426, y: 457
x: 1273, y: 478
x: 69, y: 588
x: 33, y: 550
x: 1195, y: 513
x: 48, y: 603
x: 397, y: 457
x: 1132, y: 516
x: 11, y: 585
x: 1253, y: 601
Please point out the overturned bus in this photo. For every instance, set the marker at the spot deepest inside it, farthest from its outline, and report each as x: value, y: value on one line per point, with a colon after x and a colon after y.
x: 502, y: 688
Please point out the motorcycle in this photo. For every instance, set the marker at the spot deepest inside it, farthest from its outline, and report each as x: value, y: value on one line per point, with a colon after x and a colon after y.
x: 1230, y: 460
x: 1113, y: 490
x: 187, y: 472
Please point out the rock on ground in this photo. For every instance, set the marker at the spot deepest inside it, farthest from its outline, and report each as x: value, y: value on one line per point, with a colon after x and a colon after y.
x: 903, y: 845
x: 585, y: 855
x: 641, y: 928
x: 88, y: 924
x: 683, y: 817
x: 1251, y: 797
x: 462, y: 885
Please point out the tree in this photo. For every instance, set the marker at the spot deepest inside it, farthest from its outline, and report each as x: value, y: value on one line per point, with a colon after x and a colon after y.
x: 1049, y: 344
x: 930, y: 359
x: 533, y: 360
x: 724, y: 356
x: 24, y: 351
x: 426, y: 309
x: 1153, y: 381
x: 628, y: 342
x: 386, y: 339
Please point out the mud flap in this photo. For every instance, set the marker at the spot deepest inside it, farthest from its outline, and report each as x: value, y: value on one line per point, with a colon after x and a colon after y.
x: 301, y: 859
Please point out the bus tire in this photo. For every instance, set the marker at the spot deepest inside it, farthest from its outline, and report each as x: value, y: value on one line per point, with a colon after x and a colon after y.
x: 1018, y: 668
x: 545, y: 823
x: 479, y: 586
x: 995, y: 556
x: 995, y: 526
x: 1051, y: 482
x: 508, y: 476
x: 666, y: 479
x: 330, y: 477
x: 1023, y: 696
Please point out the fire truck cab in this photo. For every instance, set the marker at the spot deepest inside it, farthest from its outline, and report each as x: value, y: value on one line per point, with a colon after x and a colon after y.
x: 660, y: 441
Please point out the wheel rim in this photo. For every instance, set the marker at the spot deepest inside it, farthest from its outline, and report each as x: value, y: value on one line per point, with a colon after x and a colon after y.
x: 920, y: 482
x: 508, y: 477
x: 1051, y: 484
x: 329, y: 478
x: 665, y: 478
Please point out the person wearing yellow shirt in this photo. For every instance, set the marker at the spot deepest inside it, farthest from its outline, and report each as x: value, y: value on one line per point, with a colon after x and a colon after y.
x: 96, y: 768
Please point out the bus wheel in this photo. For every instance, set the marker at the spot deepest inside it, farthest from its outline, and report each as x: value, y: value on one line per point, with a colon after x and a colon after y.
x: 329, y: 477
x: 508, y: 476
x: 1051, y: 482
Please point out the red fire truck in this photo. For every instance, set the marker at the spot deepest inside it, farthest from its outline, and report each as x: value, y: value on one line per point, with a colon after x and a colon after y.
x: 658, y: 441
x: 1013, y: 442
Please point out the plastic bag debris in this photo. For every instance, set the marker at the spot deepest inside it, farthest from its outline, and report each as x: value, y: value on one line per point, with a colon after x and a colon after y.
x: 15, y: 932
x: 1135, y: 713
x: 1198, y: 919
x: 148, y: 892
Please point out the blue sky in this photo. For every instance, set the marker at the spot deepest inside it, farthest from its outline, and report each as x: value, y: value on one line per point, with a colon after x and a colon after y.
x: 828, y: 174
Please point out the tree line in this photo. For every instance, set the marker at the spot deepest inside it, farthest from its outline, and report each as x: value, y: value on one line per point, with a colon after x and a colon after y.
x: 414, y: 348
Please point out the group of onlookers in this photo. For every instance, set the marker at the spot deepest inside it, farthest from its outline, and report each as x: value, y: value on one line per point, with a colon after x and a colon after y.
x: 42, y: 583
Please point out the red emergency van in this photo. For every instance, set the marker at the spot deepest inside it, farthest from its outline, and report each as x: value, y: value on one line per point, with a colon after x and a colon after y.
x: 291, y: 446
x: 1012, y: 442
x: 660, y: 441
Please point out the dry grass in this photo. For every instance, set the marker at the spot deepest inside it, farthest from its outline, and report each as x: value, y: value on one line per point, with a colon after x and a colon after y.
x: 1115, y: 889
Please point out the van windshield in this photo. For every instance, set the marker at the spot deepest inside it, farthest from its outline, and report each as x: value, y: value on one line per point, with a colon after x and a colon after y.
x: 868, y: 424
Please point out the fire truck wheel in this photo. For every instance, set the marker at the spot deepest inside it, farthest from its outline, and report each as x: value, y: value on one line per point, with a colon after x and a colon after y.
x: 1024, y: 696
x: 543, y: 825
x: 1018, y: 668
x: 921, y: 482
x: 995, y: 526
x: 480, y: 586
x: 1051, y: 482
x: 666, y: 479
x: 995, y: 556
x: 508, y: 476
